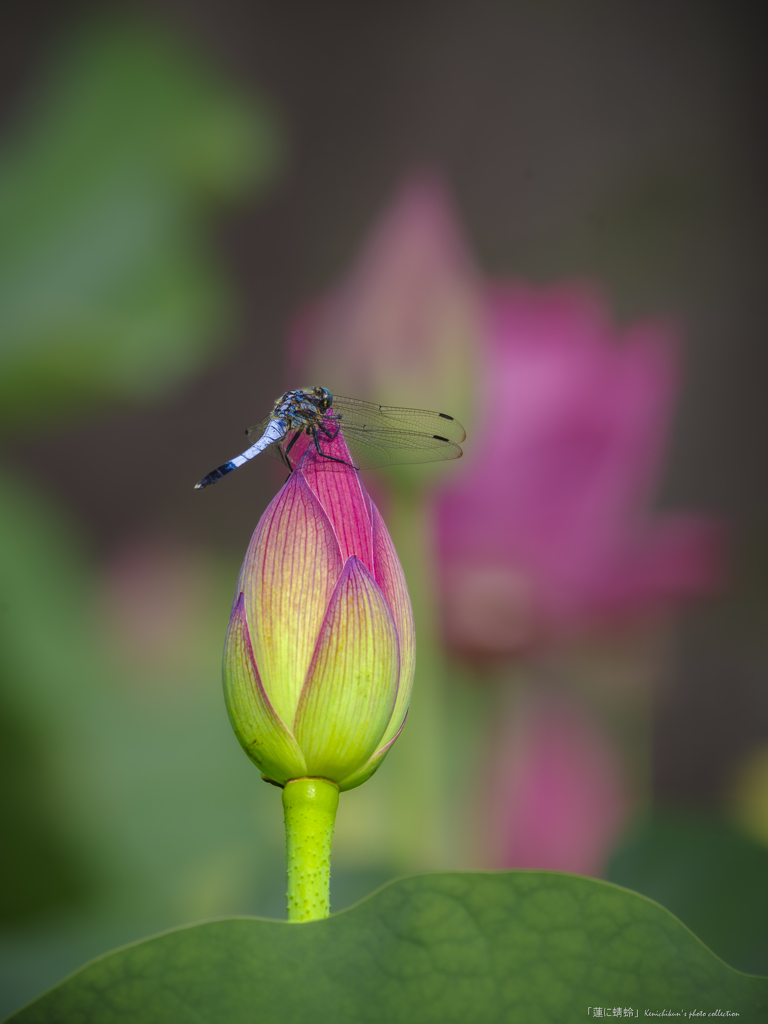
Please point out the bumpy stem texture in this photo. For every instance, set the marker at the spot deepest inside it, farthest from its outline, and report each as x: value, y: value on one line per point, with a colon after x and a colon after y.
x: 310, y: 812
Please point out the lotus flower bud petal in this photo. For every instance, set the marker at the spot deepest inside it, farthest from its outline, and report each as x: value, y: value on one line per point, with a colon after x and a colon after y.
x: 352, y: 682
x: 371, y: 765
x: 288, y: 577
x: 257, y: 726
x: 390, y: 577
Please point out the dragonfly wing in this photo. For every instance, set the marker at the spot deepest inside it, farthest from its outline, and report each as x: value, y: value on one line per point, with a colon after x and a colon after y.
x: 371, y: 449
x: 367, y: 416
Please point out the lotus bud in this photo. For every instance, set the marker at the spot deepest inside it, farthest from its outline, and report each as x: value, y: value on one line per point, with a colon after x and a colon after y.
x: 319, y: 656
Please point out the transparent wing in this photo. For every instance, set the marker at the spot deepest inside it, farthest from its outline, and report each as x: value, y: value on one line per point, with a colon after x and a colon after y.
x: 371, y: 449
x: 366, y: 416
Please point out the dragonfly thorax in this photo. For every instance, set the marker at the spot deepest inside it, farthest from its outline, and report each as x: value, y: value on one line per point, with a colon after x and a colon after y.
x: 303, y: 408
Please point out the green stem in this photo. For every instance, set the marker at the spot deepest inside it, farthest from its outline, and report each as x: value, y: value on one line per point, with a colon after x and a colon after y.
x: 310, y: 812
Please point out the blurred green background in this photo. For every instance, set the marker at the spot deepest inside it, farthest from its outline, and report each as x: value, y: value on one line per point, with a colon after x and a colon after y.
x: 176, y: 182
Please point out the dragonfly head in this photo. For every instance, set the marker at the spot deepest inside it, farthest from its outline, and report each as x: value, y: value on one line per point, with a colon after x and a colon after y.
x: 323, y: 398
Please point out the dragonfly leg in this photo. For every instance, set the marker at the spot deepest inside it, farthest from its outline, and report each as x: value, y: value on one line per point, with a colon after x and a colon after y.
x: 321, y: 452
x: 330, y: 434
x: 283, y: 458
x: 291, y: 443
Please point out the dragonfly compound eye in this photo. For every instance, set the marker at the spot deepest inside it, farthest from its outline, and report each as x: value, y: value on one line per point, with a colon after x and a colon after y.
x: 325, y: 398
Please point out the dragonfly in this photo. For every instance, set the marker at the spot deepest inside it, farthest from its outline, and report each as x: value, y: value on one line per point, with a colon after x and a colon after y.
x: 375, y: 435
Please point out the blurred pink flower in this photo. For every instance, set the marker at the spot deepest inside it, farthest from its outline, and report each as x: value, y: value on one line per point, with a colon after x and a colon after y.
x: 555, y: 791
x: 402, y: 327
x: 545, y: 529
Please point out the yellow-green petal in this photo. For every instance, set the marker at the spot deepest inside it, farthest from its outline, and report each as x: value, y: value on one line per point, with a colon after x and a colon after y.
x: 352, y: 682
x: 260, y: 730
x: 288, y: 577
x: 357, y: 778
